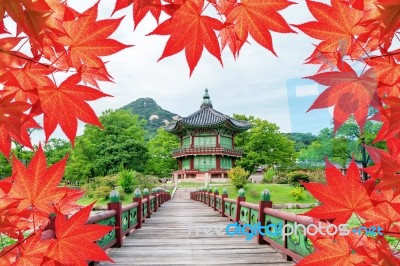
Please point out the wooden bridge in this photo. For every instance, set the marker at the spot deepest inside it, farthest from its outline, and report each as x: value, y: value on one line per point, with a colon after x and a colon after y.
x: 174, y: 236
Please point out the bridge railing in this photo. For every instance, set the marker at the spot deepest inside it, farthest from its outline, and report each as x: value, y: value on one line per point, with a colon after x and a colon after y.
x: 127, y: 218
x: 268, y: 223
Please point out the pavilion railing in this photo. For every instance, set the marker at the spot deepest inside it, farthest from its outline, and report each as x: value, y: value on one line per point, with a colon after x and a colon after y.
x: 292, y: 247
x: 207, y: 150
x: 127, y: 218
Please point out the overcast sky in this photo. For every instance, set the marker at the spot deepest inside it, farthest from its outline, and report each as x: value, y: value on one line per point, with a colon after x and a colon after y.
x: 257, y: 83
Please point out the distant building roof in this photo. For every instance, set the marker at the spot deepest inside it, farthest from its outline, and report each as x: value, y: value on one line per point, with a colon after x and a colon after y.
x: 206, y: 116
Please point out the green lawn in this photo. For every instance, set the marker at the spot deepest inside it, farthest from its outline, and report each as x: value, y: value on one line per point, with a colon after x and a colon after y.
x: 103, y: 202
x: 5, y: 241
x: 280, y: 193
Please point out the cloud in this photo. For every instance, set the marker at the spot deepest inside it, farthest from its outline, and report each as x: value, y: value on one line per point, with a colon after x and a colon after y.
x: 254, y: 84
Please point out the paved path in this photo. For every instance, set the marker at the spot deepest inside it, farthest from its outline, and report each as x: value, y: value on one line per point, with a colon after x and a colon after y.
x: 164, y: 240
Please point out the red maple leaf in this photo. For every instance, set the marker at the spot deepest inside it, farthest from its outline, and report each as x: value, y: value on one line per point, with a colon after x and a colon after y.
x: 375, y: 251
x: 10, y: 218
x: 385, y: 216
x: 74, y: 242
x: 388, y: 12
x: 229, y: 37
x: 348, y: 92
x: 389, y: 115
x: 187, y: 23
x: 357, y: 4
x: 32, y: 251
x: 332, y: 251
x: 66, y: 104
x: 386, y: 69
x: 140, y: 8
x: 87, y: 39
x: 336, y: 25
x: 258, y: 18
x: 23, y: 82
x: 341, y: 196
x: 35, y: 186
x: 10, y: 58
x: 14, y: 123
x: 67, y: 205
x: 387, y: 165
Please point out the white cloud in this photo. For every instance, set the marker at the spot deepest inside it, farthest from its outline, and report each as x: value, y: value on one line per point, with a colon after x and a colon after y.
x: 254, y: 84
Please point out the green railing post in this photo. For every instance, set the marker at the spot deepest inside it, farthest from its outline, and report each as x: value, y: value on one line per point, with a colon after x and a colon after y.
x: 223, y: 197
x: 138, y: 198
x: 116, y: 204
x: 241, y: 197
x: 265, y: 202
x: 215, y: 198
x: 146, y: 195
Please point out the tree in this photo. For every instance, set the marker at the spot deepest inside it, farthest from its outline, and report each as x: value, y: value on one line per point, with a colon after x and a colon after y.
x: 347, y: 143
x: 302, y: 140
x: 263, y: 145
x: 58, y: 39
x: 56, y: 149
x: 160, y: 147
x: 100, y: 152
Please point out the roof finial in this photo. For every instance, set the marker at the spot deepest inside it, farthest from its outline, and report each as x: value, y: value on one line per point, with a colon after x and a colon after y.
x: 206, y: 100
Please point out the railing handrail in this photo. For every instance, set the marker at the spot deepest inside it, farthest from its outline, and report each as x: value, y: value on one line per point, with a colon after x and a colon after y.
x: 208, y: 149
x: 101, y: 216
x: 230, y: 200
x: 291, y: 217
x: 127, y: 218
x: 129, y: 206
x: 250, y: 205
x: 242, y: 212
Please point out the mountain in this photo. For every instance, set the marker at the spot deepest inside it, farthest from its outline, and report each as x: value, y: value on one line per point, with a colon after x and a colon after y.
x: 150, y: 111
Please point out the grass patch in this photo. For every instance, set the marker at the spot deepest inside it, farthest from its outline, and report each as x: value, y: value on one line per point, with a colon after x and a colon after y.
x: 5, y: 241
x: 84, y: 201
x: 280, y: 193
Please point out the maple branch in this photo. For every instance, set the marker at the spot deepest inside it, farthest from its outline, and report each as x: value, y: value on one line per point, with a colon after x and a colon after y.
x: 21, y: 48
x: 363, y: 49
x: 383, y: 55
x: 52, y: 63
x: 23, y: 57
x: 362, y: 72
x: 208, y: 3
x: 397, y: 37
x: 16, y: 245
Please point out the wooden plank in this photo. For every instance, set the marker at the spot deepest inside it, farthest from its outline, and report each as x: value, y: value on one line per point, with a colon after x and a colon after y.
x: 164, y: 239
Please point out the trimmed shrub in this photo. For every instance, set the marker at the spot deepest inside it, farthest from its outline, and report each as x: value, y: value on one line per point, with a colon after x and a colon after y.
x: 317, y: 175
x: 294, y: 178
x: 126, y: 181
x: 238, y: 176
x: 280, y: 178
x: 297, y: 193
x: 102, y: 192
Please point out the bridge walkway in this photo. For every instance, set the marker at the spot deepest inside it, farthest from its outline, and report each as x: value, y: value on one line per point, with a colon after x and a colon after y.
x: 165, y: 239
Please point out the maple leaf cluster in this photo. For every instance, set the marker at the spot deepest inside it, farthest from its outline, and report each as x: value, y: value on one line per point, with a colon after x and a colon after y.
x: 50, y: 65
x: 359, y: 62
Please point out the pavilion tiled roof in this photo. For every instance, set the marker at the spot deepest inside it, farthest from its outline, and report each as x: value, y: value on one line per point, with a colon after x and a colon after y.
x: 206, y: 116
